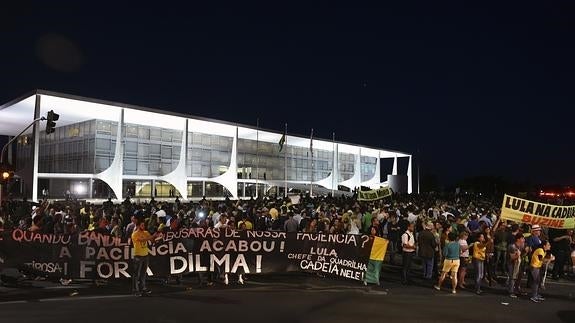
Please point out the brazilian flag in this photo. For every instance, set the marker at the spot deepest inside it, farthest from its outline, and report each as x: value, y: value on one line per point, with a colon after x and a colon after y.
x: 376, y: 257
x: 282, y: 141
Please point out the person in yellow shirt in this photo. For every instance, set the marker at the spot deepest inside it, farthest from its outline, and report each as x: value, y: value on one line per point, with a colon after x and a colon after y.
x: 479, y: 248
x: 539, y: 257
x: 140, y: 238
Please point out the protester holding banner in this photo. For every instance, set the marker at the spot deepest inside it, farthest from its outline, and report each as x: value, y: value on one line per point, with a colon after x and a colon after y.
x: 140, y: 238
x: 514, y: 268
x: 447, y: 212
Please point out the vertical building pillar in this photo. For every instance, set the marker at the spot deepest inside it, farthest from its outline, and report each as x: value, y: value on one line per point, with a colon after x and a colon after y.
x: 178, y: 177
x: 113, y: 175
x: 229, y: 179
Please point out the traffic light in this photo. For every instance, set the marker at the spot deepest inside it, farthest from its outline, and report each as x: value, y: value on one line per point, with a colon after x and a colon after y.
x: 51, y: 121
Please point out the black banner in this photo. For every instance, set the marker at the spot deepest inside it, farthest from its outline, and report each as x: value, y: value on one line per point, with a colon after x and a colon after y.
x: 93, y: 255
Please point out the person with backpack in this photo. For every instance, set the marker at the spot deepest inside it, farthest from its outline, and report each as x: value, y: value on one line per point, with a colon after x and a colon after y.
x: 408, y: 247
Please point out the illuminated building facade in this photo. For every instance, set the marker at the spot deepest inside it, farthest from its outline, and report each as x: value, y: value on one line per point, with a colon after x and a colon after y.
x: 105, y: 149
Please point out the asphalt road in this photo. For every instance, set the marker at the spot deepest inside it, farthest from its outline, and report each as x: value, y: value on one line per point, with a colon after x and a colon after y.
x: 281, y: 298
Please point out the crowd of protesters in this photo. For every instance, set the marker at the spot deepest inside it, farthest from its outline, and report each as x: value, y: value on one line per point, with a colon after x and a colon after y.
x: 449, y: 234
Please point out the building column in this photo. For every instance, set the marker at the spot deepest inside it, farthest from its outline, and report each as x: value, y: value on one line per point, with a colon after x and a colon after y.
x: 229, y: 179
x: 114, y: 174
x: 394, y: 171
x: 178, y: 177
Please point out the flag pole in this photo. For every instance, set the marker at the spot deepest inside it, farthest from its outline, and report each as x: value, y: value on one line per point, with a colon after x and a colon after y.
x: 311, y: 150
x: 333, y: 167
x: 285, y: 163
x: 418, y: 163
x: 257, y: 155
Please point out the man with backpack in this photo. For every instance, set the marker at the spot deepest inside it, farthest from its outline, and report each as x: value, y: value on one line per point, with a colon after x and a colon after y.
x: 408, y: 247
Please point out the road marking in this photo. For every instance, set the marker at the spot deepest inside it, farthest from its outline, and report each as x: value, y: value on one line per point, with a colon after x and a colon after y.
x: 58, y: 299
x: 13, y: 302
x: 67, y: 287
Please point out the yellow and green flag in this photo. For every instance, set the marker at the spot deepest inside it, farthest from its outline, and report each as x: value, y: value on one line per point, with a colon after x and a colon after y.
x: 376, y: 256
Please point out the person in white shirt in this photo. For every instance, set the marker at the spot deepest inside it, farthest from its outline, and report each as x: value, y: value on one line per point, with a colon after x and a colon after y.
x: 463, y: 258
x: 222, y: 223
x: 408, y: 245
x: 353, y: 225
x: 216, y: 217
x: 161, y: 213
x: 297, y: 217
x: 411, y: 217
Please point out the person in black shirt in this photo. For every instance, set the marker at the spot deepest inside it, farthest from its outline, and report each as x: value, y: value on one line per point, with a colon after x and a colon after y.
x: 394, y: 231
x: 560, y: 248
x: 375, y: 230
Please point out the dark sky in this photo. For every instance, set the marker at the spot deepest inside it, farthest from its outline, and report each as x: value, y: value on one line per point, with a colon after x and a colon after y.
x: 477, y: 89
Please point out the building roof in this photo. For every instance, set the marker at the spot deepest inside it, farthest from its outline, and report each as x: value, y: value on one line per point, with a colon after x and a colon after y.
x: 18, y: 113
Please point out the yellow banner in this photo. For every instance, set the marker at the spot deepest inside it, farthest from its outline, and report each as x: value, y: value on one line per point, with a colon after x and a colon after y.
x: 374, y: 194
x: 531, y: 212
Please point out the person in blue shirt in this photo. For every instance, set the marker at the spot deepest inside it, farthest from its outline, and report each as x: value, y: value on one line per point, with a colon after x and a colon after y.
x: 534, y: 240
x: 451, y: 262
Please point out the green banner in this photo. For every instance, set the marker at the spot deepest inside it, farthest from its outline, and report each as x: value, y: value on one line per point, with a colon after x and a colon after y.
x: 374, y: 195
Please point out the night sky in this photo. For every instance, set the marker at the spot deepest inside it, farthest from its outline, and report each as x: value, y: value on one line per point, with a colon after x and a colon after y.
x: 476, y: 89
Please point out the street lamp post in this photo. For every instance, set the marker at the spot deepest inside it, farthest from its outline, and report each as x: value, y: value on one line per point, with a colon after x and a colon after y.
x: 10, y: 142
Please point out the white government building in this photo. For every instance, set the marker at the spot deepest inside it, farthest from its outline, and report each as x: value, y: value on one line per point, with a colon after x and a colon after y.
x: 104, y: 149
